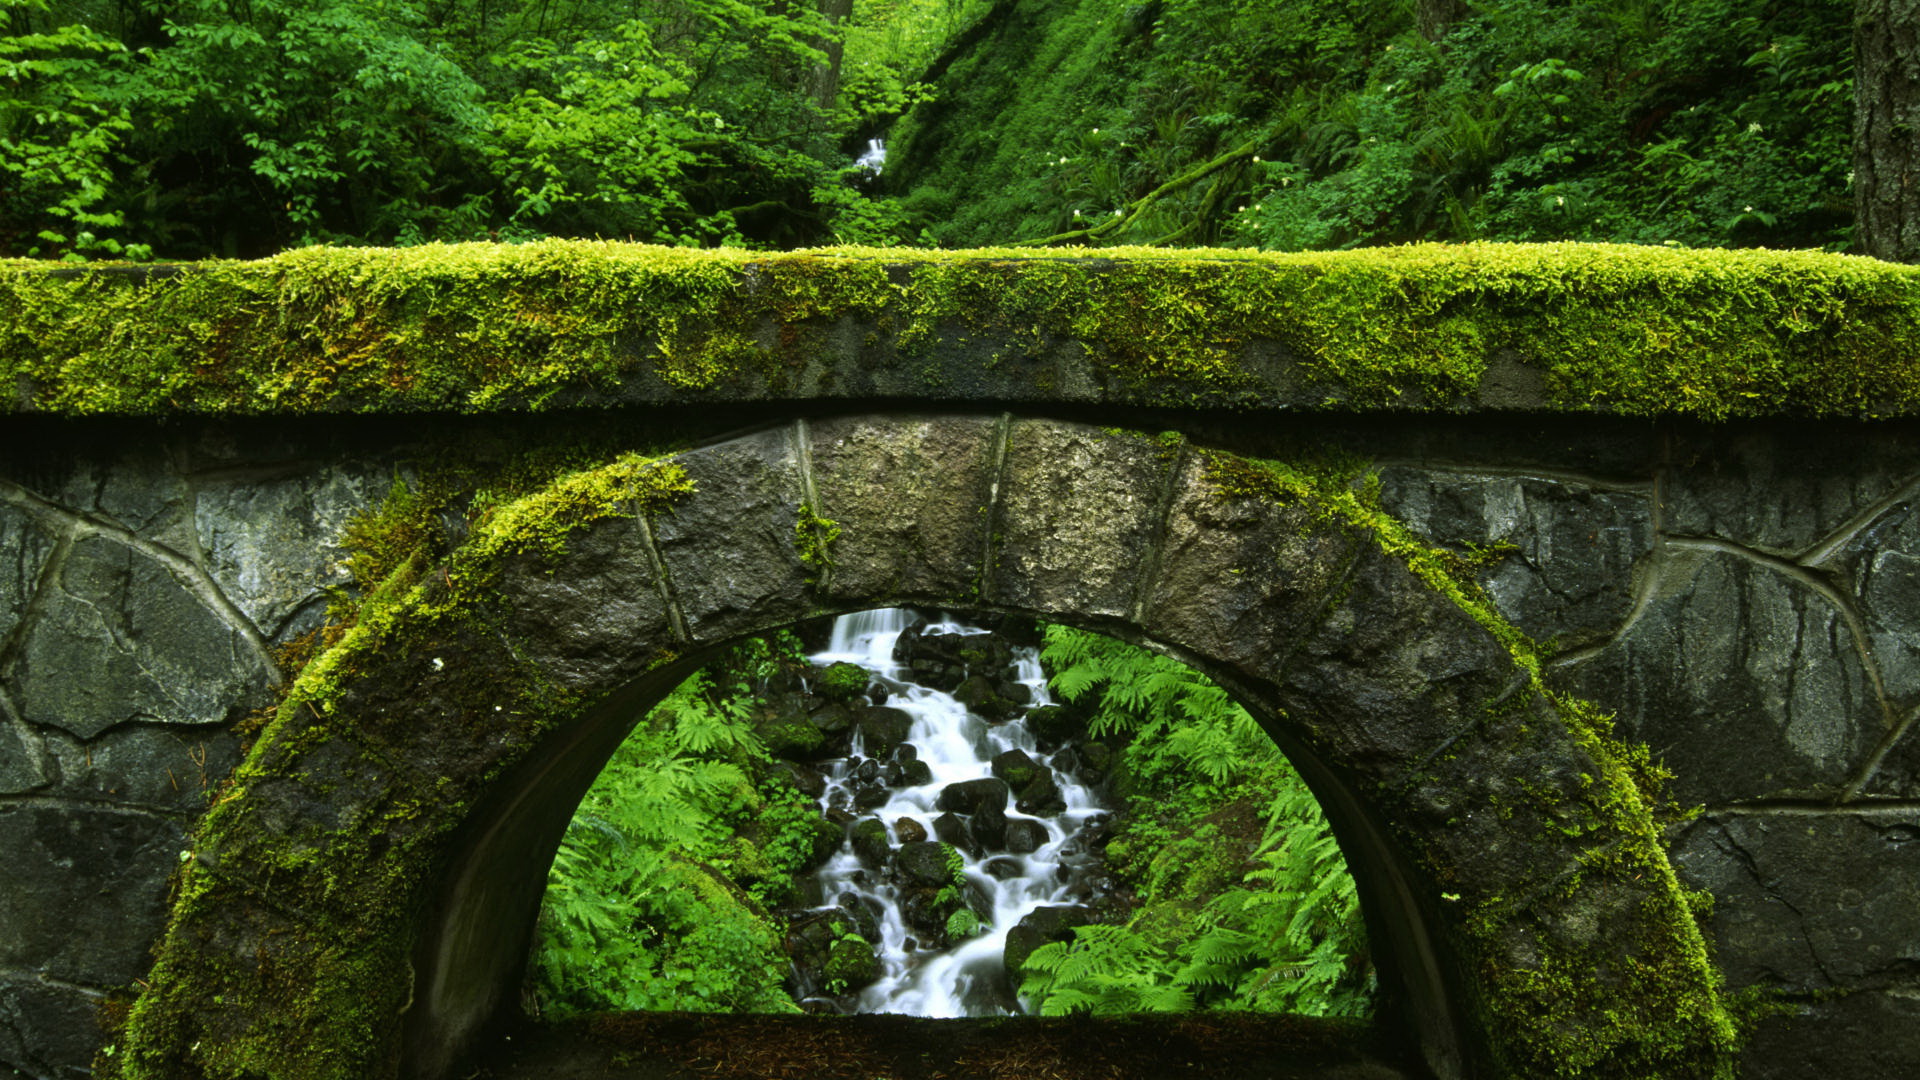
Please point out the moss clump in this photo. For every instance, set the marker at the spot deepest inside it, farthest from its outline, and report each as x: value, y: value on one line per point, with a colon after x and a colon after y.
x: 477, y: 328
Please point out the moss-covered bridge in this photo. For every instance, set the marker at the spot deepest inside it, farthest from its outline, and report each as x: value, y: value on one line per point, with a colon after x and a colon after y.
x: 1582, y: 582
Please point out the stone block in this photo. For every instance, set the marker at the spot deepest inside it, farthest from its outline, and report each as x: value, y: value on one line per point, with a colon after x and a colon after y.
x: 1079, y: 511
x: 730, y: 548
x: 274, y: 544
x: 600, y: 619
x: 122, y: 640
x: 911, y: 497
x: 166, y: 768
x: 1743, y: 679
x: 25, y: 545
x: 85, y: 889
x: 47, y: 1030
x: 1240, y: 579
x: 1784, y: 487
x: 1809, y: 902
x: 1867, y: 1035
x: 1394, y: 673
x: 1568, y: 574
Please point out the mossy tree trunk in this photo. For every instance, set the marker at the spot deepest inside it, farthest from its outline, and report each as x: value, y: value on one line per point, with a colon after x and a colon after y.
x: 1436, y: 17
x: 826, y: 75
x: 1886, y: 128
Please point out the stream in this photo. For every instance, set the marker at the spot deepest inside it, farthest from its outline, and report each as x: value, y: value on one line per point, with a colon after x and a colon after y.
x: 944, y: 773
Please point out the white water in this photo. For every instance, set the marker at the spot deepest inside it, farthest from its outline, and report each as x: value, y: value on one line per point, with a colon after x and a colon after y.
x: 967, y: 979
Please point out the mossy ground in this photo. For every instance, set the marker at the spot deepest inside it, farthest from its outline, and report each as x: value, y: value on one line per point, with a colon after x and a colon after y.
x: 481, y: 328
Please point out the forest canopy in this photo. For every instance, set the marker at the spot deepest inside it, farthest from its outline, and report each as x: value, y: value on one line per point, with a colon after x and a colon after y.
x: 194, y: 128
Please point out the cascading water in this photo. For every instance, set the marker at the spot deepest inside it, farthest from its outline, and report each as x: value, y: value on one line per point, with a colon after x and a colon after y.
x: 924, y: 792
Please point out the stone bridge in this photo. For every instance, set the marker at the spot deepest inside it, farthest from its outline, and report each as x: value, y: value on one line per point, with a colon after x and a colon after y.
x: 328, y: 583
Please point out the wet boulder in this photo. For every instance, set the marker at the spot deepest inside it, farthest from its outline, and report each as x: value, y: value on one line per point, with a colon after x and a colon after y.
x: 1041, y: 796
x: 951, y: 828
x: 840, y: 681
x: 1055, y: 725
x: 833, y: 719
x: 1024, y: 836
x: 1001, y: 868
x: 826, y: 947
x: 806, y: 781
x: 982, y: 698
x: 877, y: 693
x: 968, y: 796
x: 823, y: 839
x: 883, y: 728
x: 1016, y: 768
x: 791, y: 737
x: 869, y: 839
x: 988, y: 827
x: 870, y: 795
x: 1040, y: 926
x: 928, y: 863
x: 909, y: 830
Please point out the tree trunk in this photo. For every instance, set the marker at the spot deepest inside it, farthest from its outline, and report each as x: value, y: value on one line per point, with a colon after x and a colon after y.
x: 1436, y: 17
x: 1886, y: 128
x: 826, y: 75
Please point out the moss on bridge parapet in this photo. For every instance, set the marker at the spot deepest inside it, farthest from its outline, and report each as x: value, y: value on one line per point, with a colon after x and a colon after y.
x: 482, y: 328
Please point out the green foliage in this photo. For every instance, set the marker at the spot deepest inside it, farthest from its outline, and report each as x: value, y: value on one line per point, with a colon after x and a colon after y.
x: 1267, y: 919
x: 1295, y: 124
x: 657, y: 898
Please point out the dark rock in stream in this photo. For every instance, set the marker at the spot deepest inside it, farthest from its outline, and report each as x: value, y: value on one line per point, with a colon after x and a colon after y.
x: 883, y: 728
x: 1003, y: 868
x: 925, y: 863
x: 807, y: 781
x: 1041, y: 797
x: 909, y: 830
x: 980, y: 696
x: 988, y: 826
x: 969, y: 796
x: 1025, y: 836
x: 1053, y: 725
x: 841, y: 680
x: 833, y: 719
x: 1016, y: 768
x: 869, y: 839
x: 1040, y: 926
x: 951, y: 828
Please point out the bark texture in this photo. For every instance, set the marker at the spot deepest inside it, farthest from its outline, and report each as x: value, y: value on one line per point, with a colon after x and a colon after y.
x: 1886, y: 128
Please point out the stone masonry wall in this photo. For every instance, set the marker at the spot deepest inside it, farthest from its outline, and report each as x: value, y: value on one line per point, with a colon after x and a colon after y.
x: 1746, y: 599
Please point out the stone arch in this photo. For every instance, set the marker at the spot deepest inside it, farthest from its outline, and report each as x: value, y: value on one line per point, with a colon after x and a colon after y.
x: 357, y: 903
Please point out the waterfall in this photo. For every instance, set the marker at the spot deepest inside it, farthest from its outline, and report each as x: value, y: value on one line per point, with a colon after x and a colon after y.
x: 1035, y: 862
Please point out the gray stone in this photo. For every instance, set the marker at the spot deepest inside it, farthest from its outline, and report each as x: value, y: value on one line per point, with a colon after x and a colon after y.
x: 919, y: 489
x: 1394, y: 673
x: 85, y: 889
x: 1241, y: 576
x: 1080, y: 509
x: 167, y: 768
x: 22, y: 756
x: 1881, y: 565
x: 729, y: 548
x: 139, y: 491
x: 1025, y: 835
x: 122, y: 640
x: 582, y: 628
x: 1741, y: 678
x: 274, y: 544
x: 1566, y: 574
x: 46, y: 1029
x: 1016, y: 768
x: 1809, y: 902
x: 1781, y: 488
x: 24, y: 546
x: 1863, y: 1034
x: 882, y: 729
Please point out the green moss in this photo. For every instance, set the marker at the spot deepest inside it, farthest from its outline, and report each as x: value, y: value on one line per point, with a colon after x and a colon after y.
x: 1649, y: 981
x: 479, y: 328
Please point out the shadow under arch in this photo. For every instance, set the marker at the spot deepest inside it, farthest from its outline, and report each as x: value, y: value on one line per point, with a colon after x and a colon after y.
x: 358, y: 904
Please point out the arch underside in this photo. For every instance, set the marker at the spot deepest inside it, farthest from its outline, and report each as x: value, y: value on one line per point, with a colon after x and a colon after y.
x: 358, y: 904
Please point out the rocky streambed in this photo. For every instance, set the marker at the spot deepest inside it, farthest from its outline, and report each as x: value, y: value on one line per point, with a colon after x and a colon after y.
x: 975, y: 811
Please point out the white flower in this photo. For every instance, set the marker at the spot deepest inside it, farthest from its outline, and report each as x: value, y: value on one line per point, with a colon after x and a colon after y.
x: 1559, y: 200
x: 1256, y: 159
x: 1076, y: 213
x: 1746, y: 209
x: 1063, y: 161
x: 1096, y: 131
x: 1753, y: 128
x: 1116, y: 213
